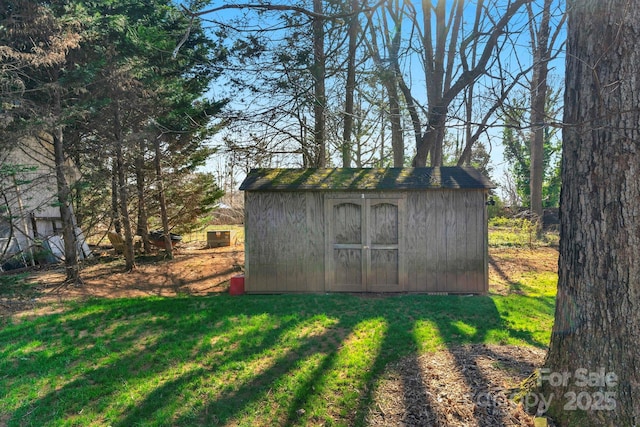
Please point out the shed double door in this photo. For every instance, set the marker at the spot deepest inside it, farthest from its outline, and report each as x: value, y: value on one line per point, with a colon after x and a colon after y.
x: 363, y: 246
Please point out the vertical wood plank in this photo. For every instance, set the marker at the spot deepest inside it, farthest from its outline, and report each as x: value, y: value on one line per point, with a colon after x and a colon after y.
x: 383, y: 227
x: 382, y: 220
x: 248, y: 197
x: 384, y: 270
x: 430, y: 244
x: 329, y: 272
x: 450, y: 221
x: 441, y: 240
x: 314, y: 254
x: 476, y: 241
x: 294, y: 240
x: 276, y: 241
x: 471, y: 260
x: 401, y: 255
x: 460, y: 261
x: 253, y: 250
x: 425, y: 237
x: 479, y: 254
x: 484, y: 226
x: 410, y: 230
x: 463, y: 242
x: 365, y: 239
x: 346, y: 225
x: 272, y: 218
x: 348, y: 268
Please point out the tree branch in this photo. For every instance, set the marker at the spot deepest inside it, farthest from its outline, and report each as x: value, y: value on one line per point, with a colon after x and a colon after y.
x: 282, y: 7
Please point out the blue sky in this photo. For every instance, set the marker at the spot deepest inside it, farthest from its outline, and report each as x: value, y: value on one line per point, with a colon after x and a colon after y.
x: 557, y: 74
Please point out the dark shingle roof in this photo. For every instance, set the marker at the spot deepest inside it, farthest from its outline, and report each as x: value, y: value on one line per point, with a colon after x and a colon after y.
x: 364, y: 179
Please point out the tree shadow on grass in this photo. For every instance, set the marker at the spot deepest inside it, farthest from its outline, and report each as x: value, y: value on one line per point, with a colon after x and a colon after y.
x: 142, y: 361
x: 488, y: 410
x: 113, y: 362
x: 232, y: 400
x: 461, y: 322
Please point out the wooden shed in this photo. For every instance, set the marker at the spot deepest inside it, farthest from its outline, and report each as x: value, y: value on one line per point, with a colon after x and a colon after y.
x: 366, y: 230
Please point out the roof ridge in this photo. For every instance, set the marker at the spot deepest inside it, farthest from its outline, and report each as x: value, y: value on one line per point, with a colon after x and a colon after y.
x: 362, y: 179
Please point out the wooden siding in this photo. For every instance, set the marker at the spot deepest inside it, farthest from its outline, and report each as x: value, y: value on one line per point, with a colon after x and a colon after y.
x: 308, y: 241
x: 284, y: 242
x: 446, y: 241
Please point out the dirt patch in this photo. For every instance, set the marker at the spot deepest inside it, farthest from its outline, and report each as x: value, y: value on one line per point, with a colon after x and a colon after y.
x: 195, y: 270
x: 461, y: 386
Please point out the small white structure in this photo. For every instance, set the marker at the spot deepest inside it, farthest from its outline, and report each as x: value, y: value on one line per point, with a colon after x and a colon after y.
x: 30, y: 223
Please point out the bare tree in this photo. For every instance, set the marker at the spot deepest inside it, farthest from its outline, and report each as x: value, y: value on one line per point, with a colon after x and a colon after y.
x: 285, y: 75
x: 447, y: 62
x: 388, y: 70
x: 319, y: 75
x: 350, y: 87
x: 542, y: 42
x: 454, y: 58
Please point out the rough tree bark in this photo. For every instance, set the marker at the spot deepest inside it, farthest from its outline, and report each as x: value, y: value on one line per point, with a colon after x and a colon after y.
x: 72, y: 268
x: 142, y: 228
x: 115, y: 210
x: 597, y: 326
x: 162, y: 199
x: 123, y: 192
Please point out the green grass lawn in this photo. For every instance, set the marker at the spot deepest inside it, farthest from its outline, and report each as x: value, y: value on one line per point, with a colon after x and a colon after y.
x: 249, y: 360
x: 518, y: 233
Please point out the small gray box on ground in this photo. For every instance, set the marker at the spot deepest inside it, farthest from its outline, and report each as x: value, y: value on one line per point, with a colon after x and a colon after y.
x: 217, y: 239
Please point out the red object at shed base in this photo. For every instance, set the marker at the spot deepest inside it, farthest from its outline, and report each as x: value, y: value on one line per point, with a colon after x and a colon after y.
x: 237, y: 285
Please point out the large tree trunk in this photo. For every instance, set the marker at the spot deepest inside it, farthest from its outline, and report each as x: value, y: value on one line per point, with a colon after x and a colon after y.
x: 397, y: 140
x: 597, y: 326
x: 431, y: 143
